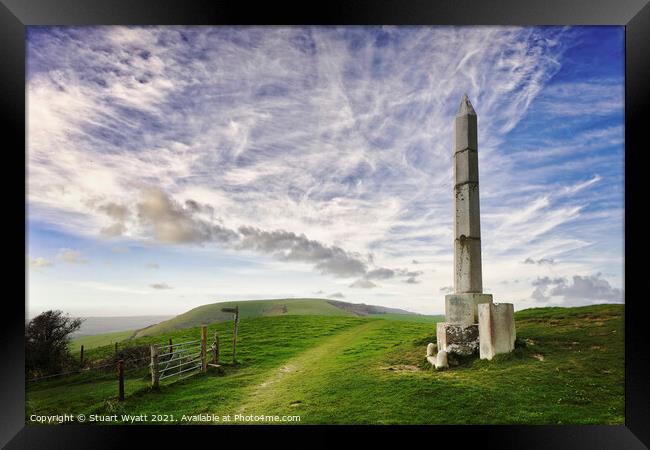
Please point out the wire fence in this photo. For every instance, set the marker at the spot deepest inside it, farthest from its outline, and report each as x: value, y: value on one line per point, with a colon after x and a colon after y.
x: 158, y: 362
x: 93, y: 367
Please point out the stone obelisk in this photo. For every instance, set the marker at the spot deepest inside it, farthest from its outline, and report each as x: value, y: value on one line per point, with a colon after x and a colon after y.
x: 459, y: 333
x: 473, y: 323
x: 467, y: 219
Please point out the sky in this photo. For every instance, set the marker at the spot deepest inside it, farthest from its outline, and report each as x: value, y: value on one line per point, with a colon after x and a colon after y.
x: 170, y: 167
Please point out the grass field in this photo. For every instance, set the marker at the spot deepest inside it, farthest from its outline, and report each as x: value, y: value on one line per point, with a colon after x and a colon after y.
x: 568, y: 368
x: 99, y: 340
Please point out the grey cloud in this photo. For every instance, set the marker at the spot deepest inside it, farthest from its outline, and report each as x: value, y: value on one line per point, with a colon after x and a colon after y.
x: 363, y: 283
x: 194, y: 206
x: 380, y: 274
x: 153, y: 266
x: 336, y: 295
x: 174, y: 224
x: 160, y: 286
x: 411, y: 280
x: 541, y: 261
x: 588, y: 288
x: 119, y: 213
x: 115, y: 211
x: 117, y: 229
x: 409, y: 273
x: 581, y: 290
x: 331, y: 260
x: 288, y: 246
x: 545, y: 281
x: 541, y: 286
x: 447, y: 289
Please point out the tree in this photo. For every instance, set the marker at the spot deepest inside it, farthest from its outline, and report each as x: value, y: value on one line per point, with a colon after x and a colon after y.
x: 46, y: 342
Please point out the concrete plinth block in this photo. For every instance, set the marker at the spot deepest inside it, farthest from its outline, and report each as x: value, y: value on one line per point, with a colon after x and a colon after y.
x: 462, y: 308
x: 458, y: 339
x: 497, y: 334
x: 441, y: 360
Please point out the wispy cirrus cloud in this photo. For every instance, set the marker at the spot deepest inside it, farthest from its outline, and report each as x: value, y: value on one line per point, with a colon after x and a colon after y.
x: 329, y: 146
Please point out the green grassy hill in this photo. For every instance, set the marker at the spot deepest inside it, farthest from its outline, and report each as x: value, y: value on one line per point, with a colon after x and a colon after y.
x: 99, y: 340
x: 212, y: 313
x: 567, y: 368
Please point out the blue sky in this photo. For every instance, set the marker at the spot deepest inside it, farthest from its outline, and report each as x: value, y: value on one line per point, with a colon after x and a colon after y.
x: 170, y: 167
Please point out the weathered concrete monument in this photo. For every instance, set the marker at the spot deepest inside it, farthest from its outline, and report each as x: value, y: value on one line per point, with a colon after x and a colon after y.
x: 473, y: 323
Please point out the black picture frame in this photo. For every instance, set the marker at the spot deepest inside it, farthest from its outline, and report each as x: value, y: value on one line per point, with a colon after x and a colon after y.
x: 15, y: 15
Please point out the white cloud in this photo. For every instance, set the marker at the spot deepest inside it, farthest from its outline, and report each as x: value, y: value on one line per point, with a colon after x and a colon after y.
x: 39, y: 263
x: 71, y: 256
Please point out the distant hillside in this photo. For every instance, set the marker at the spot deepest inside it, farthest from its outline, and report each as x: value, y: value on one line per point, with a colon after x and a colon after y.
x: 211, y: 313
x: 100, y: 325
x: 99, y: 340
x: 361, y: 309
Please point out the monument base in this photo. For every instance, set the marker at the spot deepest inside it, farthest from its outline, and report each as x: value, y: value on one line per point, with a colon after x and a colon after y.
x: 496, y: 326
x: 462, y: 308
x: 457, y: 339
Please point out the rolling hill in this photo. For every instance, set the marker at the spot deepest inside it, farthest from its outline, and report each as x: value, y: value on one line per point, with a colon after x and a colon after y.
x: 567, y: 368
x: 212, y: 313
x: 99, y: 340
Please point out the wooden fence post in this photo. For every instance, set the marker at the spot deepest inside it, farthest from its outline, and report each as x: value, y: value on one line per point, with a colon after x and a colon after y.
x: 171, y: 346
x: 81, y: 358
x: 204, y: 348
x: 234, y: 338
x: 120, y: 378
x: 116, y: 349
x: 155, y: 375
x: 215, y: 349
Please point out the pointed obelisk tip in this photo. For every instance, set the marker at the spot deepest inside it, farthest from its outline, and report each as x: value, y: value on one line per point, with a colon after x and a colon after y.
x: 465, y: 107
